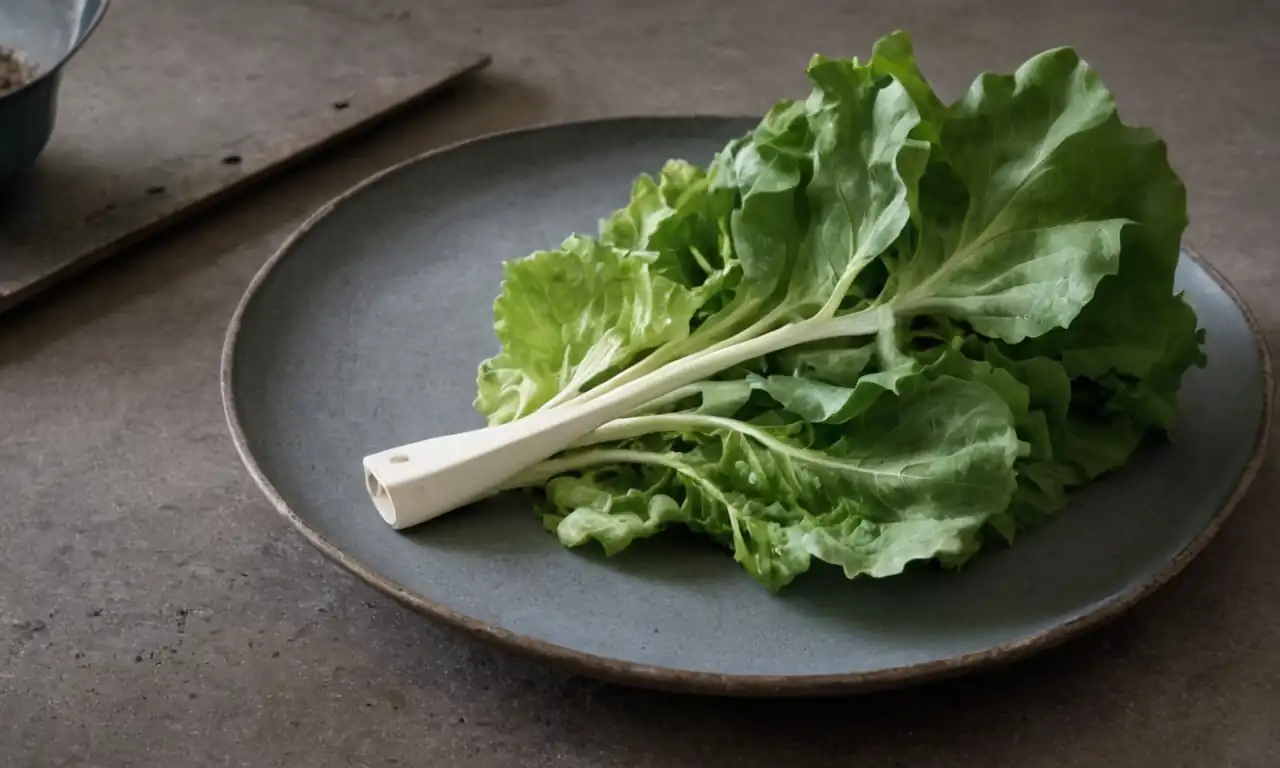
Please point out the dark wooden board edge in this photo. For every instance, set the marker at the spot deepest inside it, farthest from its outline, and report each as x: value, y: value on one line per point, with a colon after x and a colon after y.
x: 468, y: 65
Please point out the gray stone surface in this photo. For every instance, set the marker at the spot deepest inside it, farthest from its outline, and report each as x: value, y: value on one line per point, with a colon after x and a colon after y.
x: 154, y: 612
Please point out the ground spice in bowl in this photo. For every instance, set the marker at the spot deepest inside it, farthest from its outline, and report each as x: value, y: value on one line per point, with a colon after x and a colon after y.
x: 15, y: 72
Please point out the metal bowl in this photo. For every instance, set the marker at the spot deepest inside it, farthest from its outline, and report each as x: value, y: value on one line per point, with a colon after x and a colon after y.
x: 47, y: 33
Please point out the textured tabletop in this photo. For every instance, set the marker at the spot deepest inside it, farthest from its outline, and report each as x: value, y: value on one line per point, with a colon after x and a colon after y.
x: 155, y: 612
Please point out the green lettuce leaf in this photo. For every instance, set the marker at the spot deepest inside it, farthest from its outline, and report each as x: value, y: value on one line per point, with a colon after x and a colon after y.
x: 767, y: 173
x: 1037, y: 229
x: 916, y: 477
x: 842, y: 365
x: 1136, y: 322
x: 865, y: 169
x: 683, y: 217
x: 567, y: 316
x: 817, y: 401
x: 614, y: 505
x: 893, y: 55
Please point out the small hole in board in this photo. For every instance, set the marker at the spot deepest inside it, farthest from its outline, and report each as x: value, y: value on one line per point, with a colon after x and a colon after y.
x: 341, y: 105
x: 156, y: 190
x: 232, y: 160
x: 399, y: 458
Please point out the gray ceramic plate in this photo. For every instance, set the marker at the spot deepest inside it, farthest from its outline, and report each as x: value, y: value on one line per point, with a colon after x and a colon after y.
x: 364, y: 333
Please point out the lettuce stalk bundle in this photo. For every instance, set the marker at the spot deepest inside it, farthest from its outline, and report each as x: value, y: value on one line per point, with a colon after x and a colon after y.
x: 877, y: 329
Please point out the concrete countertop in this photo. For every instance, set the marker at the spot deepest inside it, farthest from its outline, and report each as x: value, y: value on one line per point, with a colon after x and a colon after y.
x: 155, y: 612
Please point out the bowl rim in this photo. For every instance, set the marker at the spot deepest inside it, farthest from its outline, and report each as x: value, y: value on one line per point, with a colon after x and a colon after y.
x: 41, y: 76
x: 690, y: 681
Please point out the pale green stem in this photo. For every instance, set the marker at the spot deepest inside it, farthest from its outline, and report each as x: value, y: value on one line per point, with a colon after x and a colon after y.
x: 667, y: 353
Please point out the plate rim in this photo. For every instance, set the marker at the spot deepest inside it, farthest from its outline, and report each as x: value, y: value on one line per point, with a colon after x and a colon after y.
x: 692, y: 681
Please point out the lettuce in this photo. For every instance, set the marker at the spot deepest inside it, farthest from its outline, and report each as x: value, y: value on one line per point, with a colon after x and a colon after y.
x: 875, y: 330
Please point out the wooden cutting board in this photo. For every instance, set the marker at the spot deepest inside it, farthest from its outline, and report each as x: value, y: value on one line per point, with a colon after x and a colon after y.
x: 176, y: 104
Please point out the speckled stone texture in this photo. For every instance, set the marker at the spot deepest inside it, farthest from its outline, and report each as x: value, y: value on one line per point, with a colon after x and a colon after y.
x: 155, y: 612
